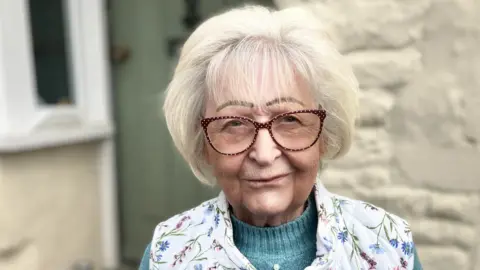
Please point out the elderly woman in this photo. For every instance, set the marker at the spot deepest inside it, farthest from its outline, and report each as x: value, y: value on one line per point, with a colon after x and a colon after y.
x: 260, y: 99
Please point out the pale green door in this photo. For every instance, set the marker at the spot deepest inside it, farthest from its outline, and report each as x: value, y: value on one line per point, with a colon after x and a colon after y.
x: 154, y: 182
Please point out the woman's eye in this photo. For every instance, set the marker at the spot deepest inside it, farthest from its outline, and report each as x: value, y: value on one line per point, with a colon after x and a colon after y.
x: 234, y: 123
x: 290, y: 118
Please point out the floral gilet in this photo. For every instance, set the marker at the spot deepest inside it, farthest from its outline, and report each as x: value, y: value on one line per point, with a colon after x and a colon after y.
x: 351, y: 235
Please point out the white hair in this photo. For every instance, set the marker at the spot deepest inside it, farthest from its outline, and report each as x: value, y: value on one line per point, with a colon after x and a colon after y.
x: 283, y: 44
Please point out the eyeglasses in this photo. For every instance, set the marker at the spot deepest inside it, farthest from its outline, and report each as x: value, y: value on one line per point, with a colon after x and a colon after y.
x: 292, y: 131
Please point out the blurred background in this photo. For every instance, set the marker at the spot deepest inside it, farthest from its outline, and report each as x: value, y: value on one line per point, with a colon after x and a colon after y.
x: 87, y: 167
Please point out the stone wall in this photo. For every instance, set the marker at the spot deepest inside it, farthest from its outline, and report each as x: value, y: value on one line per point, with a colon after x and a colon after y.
x: 49, y: 208
x: 417, y: 150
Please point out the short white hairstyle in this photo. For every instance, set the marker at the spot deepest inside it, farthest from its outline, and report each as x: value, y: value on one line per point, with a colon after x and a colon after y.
x: 288, y: 43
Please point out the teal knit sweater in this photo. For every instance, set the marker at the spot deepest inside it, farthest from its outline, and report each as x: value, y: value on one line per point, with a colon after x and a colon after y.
x: 288, y: 246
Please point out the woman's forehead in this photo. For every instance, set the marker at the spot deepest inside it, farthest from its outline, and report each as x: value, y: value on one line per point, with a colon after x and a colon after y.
x: 264, y: 95
x: 257, y: 73
x: 234, y: 102
x: 288, y: 102
x: 258, y: 97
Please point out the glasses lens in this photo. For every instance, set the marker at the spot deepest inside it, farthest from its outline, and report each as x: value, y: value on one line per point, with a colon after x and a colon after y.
x: 231, y: 135
x: 296, y: 131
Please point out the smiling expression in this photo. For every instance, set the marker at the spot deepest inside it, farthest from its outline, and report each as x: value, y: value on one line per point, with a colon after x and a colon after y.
x: 266, y: 184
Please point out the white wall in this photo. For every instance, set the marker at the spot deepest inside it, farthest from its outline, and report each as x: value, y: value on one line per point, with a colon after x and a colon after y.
x: 51, y: 208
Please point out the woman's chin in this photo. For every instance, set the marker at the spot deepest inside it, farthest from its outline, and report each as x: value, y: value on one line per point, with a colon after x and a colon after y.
x: 268, y: 204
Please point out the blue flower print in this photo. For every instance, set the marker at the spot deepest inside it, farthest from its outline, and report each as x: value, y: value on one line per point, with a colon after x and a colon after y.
x: 322, y: 260
x: 394, y: 243
x: 377, y: 249
x: 198, y: 267
x: 209, y: 209
x: 343, y: 236
x: 407, y: 248
x: 164, y: 245
x: 210, y: 231
x: 328, y: 244
x: 342, y: 202
x: 217, y: 219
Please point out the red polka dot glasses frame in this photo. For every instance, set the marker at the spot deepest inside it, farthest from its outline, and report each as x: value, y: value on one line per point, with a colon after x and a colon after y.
x: 320, y: 113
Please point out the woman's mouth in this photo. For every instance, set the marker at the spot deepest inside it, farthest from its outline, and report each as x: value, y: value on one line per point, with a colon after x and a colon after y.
x: 268, y: 181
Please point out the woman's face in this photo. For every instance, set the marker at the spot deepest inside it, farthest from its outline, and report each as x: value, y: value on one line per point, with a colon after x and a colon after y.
x: 265, y: 185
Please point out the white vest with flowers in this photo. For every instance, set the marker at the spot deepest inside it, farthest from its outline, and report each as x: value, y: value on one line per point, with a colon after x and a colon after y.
x: 351, y: 235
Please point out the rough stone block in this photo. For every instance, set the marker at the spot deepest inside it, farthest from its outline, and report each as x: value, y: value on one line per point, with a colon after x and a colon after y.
x: 433, y: 110
x: 361, y: 24
x: 443, y: 232
x: 333, y: 178
x: 367, y: 177
x: 370, y: 146
x: 372, y: 177
x: 458, y: 207
x: 443, y: 258
x: 374, y: 106
x: 451, y: 169
x: 472, y: 116
x: 385, y: 69
x: 403, y: 201
x: 347, y: 192
x: 476, y: 258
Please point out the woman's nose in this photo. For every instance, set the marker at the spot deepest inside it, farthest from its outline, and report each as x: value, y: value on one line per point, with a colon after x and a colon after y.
x: 264, y: 151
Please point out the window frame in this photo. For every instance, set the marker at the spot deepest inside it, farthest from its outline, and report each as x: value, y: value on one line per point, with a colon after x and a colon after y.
x: 24, y: 123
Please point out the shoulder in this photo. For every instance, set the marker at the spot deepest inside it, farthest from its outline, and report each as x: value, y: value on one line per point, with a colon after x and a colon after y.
x: 366, y: 212
x: 175, y: 237
x: 145, y: 263
x: 197, y: 214
x: 372, y: 216
x: 416, y: 265
x: 389, y: 231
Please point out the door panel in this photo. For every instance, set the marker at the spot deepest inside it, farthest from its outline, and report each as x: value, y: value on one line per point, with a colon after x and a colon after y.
x: 154, y: 181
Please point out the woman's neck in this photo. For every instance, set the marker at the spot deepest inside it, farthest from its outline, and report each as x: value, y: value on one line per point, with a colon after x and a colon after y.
x: 290, y: 238
x: 262, y: 220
